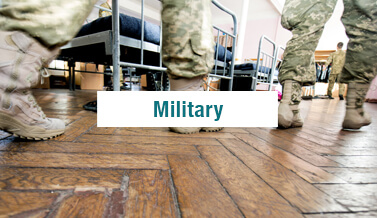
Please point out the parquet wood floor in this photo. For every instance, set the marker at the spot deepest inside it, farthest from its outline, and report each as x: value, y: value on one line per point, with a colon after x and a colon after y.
x: 315, y: 171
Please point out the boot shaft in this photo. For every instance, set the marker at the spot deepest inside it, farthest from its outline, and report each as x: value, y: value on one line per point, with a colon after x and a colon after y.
x: 186, y: 84
x: 356, y: 95
x: 22, y: 58
x: 291, y: 92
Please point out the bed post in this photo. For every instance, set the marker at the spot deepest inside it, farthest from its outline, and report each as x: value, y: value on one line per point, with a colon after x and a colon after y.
x: 115, y: 45
x: 71, y: 80
x: 231, y: 67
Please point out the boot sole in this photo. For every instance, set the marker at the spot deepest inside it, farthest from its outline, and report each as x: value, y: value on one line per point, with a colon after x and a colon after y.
x: 352, y: 125
x: 24, y: 131
x: 212, y: 129
x: 192, y: 130
x: 283, y: 123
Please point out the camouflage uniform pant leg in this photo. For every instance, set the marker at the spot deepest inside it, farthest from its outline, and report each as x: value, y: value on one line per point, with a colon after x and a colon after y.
x: 360, y: 20
x: 332, y: 79
x: 296, y: 97
x: 296, y: 94
x: 306, y: 20
x: 53, y: 22
x: 341, y: 85
x: 187, y: 42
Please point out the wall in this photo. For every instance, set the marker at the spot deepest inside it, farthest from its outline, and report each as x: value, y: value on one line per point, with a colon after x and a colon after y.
x: 334, y: 31
x: 269, y: 27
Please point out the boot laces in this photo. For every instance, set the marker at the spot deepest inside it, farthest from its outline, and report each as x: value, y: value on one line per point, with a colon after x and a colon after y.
x: 35, y: 104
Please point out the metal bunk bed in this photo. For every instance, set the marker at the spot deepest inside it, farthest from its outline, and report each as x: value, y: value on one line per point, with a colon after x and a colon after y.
x: 264, y: 70
x: 111, y: 41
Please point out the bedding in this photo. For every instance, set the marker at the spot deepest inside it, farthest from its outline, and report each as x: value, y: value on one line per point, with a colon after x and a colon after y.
x: 131, y: 27
x: 253, y: 66
x: 128, y: 26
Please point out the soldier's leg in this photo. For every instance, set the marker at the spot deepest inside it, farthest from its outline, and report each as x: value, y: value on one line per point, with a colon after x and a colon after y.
x: 360, y: 21
x: 30, y: 33
x: 341, y: 87
x: 187, y: 47
x: 306, y: 20
x: 52, y: 22
x: 332, y: 79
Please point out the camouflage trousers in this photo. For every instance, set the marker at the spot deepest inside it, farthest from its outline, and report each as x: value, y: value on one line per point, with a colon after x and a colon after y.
x: 52, y: 22
x: 306, y: 20
x: 332, y: 79
x: 187, y: 41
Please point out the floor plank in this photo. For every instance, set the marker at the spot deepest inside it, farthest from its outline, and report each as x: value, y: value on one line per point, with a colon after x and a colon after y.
x: 174, y: 140
x: 313, y: 146
x: 76, y: 129
x: 17, y: 203
x: 356, y: 197
x: 104, y: 148
x: 297, y: 150
x: 103, y: 161
x: 297, y: 191
x: 254, y: 197
x: 150, y: 195
x: 302, y: 168
x: 356, y: 151
x: 355, y: 175
x: 85, y: 204
x: 356, y: 161
x: 102, y: 130
x: 58, y: 179
x: 343, y: 215
x: 199, y: 192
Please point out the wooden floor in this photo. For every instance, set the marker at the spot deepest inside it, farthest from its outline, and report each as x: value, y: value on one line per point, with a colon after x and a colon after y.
x: 315, y: 171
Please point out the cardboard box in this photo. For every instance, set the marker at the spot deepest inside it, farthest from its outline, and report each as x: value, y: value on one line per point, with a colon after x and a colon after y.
x: 143, y: 81
x: 214, y: 84
x: 91, y: 81
x: 264, y: 87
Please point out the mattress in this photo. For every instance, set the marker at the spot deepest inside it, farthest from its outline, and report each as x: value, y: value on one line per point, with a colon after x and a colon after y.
x: 222, y: 50
x: 131, y: 27
x: 253, y: 66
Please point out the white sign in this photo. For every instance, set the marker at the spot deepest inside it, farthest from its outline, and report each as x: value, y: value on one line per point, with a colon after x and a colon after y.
x: 187, y: 109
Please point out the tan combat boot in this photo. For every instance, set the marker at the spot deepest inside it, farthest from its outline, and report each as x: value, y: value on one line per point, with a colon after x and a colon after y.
x: 289, y: 112
x: 22, y: 58
x: 355, y: 117
x: 189, y: 84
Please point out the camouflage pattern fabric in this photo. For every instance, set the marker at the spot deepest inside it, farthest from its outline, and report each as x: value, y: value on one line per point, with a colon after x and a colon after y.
x: 296, y: 93
x: 102, y: 13
x: 187, y: 42
x: 332, y: 79
x: 361, y: 91
x: 53, y: 22
x: 306, y: 20
x: 356, y: 95
x: 295, y: 96
x: 360, y: 20
x: 337, y: 59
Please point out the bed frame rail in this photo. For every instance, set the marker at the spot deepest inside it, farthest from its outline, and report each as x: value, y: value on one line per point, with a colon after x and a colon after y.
x: 222, y: 69
x: 267, y: 62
